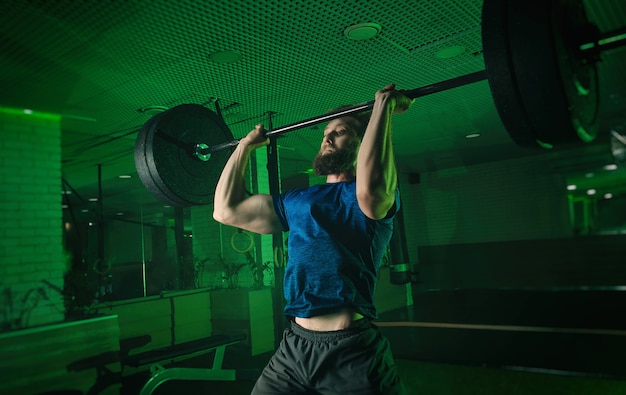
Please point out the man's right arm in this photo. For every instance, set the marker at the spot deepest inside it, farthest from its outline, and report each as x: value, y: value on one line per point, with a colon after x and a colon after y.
x: 231, y: 205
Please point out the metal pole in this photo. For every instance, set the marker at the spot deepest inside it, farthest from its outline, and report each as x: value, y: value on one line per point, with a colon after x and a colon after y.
x: 100, y: 262
x: 277, y: 239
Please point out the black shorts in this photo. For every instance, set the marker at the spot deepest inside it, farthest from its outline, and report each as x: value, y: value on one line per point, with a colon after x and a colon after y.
x: 353, y: 361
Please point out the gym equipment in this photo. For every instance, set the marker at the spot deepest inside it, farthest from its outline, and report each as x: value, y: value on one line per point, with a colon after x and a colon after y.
x: 540, y: 64
x: 159, y: 374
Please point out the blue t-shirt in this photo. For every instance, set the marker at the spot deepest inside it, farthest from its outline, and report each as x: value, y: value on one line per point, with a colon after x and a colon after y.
x: 335, y: 251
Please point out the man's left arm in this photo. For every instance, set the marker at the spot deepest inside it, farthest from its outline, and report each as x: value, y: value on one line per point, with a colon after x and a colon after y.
x: 376, y: 176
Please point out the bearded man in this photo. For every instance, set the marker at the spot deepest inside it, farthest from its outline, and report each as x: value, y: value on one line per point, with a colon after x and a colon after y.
x: 338, y: 234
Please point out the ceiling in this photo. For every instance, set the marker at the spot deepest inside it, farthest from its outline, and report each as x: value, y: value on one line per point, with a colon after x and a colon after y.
x: 108, y: 66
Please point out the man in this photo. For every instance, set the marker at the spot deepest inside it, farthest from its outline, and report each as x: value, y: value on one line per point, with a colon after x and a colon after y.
x: 339, y: 232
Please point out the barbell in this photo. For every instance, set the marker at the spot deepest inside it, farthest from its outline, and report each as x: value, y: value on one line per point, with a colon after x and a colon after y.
x: 540, y: 63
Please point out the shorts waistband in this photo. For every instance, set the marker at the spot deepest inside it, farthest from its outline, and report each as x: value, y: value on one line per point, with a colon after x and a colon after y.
x: 328, y: 336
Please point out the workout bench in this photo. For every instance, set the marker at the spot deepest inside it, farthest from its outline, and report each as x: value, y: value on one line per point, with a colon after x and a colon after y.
x: 155, y: 359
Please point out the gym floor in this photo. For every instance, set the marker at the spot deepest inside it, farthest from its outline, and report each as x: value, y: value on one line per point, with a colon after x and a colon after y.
x: 465, y: 377
x: 419, y: 378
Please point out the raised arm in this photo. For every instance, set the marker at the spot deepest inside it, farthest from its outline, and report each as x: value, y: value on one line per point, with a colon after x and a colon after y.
x: 376, y: 177
x: 231, y: 205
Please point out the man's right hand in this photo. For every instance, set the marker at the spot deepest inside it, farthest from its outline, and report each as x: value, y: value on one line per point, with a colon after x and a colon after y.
x: 256, y: 138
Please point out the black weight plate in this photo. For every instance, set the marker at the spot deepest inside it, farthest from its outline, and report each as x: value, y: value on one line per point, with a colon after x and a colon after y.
x: 579, y: 76
x: 166, y: 162
x: 558, y: 90
x: 501, y: 73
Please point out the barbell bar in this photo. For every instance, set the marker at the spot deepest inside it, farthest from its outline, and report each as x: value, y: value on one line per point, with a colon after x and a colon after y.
x: 540, y: 63
x: 203, y: 151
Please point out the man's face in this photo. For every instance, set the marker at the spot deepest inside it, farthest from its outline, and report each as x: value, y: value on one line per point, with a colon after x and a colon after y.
x: 339, y: 148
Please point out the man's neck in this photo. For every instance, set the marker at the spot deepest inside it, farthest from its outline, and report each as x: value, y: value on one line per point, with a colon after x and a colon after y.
x: 340, y: 177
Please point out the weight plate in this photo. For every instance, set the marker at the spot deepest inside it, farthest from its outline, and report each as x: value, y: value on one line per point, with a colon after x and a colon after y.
x: 558, y: 89
x: 165, y: 157
x: 501, y: 73
x: 555, y: 91
x: 578, y: 75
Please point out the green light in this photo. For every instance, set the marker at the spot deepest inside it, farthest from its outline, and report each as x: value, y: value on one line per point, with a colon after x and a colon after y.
x: 544, y: 145
x: 604, y: 41
x: 613, y: 39
x: 585, y: 135
x: 582, y: 91
x: 30, y: 113
x: 587, y: 46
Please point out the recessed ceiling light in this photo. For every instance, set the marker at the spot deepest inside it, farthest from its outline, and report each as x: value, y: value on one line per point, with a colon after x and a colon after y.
x: 93, y: 199
x: 571, y: 187
x: 225, y: 57
x: 450, y: 52
x: 124, y: 176
x: 28, y: 111
x: 591, y: 192
x: 472, y: 135
x: 362, y: 31
x: 152, y: 109
x: 612, y: 166
x: 608, y: 195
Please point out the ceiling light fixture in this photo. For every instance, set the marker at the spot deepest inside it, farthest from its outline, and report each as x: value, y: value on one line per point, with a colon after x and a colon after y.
x: 152, y: 109
x: 612, y: 166
x: 28, y: 111
x: 571, y: 187
x: 472, y: 135
x: 124, y: 176
x: 225, y: 57
x: 450, y: 52
x: 362, y: 31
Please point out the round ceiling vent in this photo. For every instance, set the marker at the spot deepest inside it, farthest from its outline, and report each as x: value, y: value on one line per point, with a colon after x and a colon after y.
x: 362, y: 31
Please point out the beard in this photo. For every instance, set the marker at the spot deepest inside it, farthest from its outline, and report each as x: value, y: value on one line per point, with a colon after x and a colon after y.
x: 335, y: 162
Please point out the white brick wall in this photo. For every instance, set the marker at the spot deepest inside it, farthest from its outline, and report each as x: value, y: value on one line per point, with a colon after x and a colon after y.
x: 31, y: 254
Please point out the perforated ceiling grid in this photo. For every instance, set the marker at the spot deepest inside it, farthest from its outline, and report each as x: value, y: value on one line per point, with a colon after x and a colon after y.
x: 156, y: 53
x: 104, y: 60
